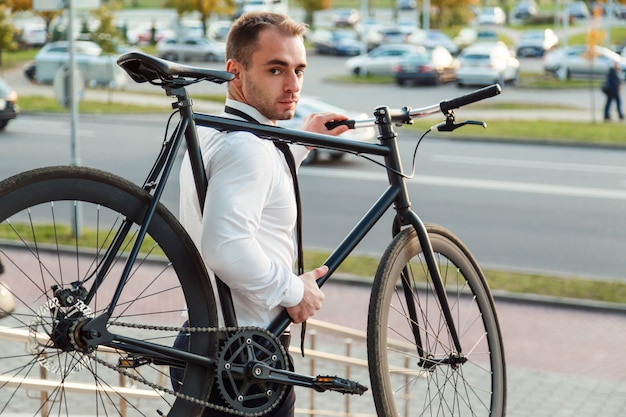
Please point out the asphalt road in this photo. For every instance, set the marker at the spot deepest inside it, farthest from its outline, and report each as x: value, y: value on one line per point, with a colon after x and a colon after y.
x: 525, y: 207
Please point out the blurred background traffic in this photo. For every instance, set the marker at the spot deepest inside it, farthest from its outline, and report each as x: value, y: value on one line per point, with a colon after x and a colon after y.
x: 406, y: 42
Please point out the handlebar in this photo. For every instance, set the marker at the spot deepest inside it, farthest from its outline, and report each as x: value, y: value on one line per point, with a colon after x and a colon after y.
x: 405, y: 115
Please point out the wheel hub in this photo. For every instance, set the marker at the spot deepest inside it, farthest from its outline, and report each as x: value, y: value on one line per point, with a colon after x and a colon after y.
x: 54, y: 331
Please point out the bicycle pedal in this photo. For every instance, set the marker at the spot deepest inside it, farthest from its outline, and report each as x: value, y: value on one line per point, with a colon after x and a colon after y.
x: 342, y: 385
x: 131, y: 362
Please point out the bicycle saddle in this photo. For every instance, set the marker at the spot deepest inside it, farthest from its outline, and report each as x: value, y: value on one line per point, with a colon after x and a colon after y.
x: 146, y: 68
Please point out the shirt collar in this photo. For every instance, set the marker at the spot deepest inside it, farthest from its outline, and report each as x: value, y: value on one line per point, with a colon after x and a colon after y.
x: 249, y: 110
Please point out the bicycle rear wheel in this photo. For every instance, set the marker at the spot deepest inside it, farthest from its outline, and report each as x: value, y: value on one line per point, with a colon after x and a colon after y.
x: 414, y: 367
x: 42, y: 372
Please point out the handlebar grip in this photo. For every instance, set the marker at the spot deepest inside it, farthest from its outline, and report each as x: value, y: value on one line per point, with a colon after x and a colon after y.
x: 486, y: 92
x: 331, y: 125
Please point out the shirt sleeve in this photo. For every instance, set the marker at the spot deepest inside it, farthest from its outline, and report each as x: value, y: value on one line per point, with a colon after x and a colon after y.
x: 240, y: 182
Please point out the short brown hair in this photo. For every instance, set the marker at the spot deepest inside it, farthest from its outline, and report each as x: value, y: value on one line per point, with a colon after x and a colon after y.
x: 244, y: 33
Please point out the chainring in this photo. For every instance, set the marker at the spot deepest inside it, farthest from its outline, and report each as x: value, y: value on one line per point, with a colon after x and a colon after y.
x: 236, y: 387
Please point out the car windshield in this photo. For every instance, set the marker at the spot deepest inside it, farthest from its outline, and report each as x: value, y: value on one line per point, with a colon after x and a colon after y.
x: 476, y: 57
x: 418, y: 59
x: 4, y: 88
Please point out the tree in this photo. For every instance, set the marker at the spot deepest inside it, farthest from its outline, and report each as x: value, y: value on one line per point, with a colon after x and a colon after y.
x: 451, y: 12
x: 7, y: 41
x: 206, y: 8
x: 311, y: 6
x: 47, y: 16
x: 107, y: 35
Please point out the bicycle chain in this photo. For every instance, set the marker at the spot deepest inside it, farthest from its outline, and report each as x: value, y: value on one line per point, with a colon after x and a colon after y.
x: 172, y: 392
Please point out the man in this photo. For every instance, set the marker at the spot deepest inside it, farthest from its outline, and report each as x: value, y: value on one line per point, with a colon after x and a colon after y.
x: 246, y: 232
x: 612, y: 92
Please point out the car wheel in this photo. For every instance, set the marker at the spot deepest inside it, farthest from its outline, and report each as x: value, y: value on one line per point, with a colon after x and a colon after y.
x: 400, y: 82
x: 562, y: 73
x: 169, y: 56
x: 310, y: 158
x: 3, y: 124
x: 211, y: 57
x: 337, y: 156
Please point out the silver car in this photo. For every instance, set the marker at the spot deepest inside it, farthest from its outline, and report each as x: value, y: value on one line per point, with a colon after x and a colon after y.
x: 191, y: 49
x: 487, y: 63
x: 579, y: 61
x: 96, y: 68
x: 380, y: 60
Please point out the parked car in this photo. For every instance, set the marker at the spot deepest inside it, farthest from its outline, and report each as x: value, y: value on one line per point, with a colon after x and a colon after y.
x: 487, y: 63
x: 33, y: 35
x: 470, y: 35
x: 191, y: 49
x: 219, y: 30
x: 578, y: 10
x: 308, y: 105
x: 96, y: 68
x: 407, y: 4
x: 579, y: 61
x: 491, y: 16
x: 537, y: 42
x: 346, y: 17
x: 432, y: 38
x: 336, y: 42
x: 392, y: 35
x: 380, y: 60
x: 524, y: 9
x: 8, y: 104
x: 427, y: 66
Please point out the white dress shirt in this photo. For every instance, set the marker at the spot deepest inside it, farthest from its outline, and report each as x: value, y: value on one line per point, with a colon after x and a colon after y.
x: 246, y: 232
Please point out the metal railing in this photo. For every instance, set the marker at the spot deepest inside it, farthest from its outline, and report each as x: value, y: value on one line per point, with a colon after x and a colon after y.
x: 324, y: 341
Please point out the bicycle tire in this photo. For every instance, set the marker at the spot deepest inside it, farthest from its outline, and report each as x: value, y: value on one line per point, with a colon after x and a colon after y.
x: 401, y: 385
x: 165, y: 279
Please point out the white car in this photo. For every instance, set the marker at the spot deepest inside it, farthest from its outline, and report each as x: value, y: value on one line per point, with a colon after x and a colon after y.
x: 487, y: 63
x: 432, y: 38
x: 380, y: 60
x: 308, y: 105
x: 96, y: 68
x: 191, y: 49
x: 491, y: 16
x: 537, y: 42
x: 578, y: 61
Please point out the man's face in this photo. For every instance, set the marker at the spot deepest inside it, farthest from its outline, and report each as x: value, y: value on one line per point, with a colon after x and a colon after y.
x: 273, y: 81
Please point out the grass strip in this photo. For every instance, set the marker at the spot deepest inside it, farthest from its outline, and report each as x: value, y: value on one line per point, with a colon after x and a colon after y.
x: 355, y: 265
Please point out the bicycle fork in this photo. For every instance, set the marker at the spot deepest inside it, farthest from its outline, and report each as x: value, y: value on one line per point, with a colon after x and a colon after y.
x: 405, y: 216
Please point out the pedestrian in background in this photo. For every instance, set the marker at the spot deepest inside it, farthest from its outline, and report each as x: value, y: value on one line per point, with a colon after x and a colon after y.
x: 611, y: 89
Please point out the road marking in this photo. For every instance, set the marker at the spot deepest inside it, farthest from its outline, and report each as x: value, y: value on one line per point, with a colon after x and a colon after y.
x: 555, y: 166
x: 509, y: 186
x: 49, y: 129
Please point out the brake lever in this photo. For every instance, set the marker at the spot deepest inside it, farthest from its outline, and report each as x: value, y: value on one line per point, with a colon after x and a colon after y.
x: 450, y: 124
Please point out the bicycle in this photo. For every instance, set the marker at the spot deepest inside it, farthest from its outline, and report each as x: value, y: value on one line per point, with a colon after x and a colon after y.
x: 112, y: 302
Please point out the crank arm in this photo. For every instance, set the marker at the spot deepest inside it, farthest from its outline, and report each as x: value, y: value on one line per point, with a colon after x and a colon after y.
x: 262, y: 372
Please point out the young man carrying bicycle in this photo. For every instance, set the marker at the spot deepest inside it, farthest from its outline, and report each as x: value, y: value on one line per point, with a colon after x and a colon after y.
x: 246, y: 232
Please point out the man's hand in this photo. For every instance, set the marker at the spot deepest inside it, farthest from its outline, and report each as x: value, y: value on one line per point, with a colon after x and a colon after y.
x: 316, y: 123
x: 312, y: 298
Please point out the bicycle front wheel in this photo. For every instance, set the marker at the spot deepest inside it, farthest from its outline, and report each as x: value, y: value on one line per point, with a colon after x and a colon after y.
x: 44, y: 369
x: 415, y: 369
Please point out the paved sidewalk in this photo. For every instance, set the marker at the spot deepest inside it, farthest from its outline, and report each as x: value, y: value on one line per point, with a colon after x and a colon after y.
x: 563, y: 359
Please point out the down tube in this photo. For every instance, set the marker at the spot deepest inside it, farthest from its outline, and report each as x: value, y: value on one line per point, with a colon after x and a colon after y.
x: 346, y: 247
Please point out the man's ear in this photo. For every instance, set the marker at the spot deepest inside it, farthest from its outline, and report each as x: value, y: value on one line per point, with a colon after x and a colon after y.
x: 235, y: 67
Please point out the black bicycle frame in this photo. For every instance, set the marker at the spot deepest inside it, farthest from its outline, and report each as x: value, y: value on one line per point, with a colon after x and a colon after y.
x: 396, y: 194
